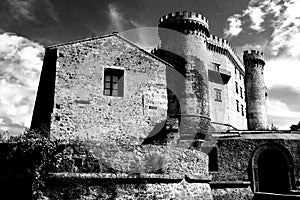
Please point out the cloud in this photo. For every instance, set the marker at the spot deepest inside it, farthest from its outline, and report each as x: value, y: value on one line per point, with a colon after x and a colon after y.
x: 136, y: 32
x: 31, y: 10
x: 257, y: 18
x: 281, y: 21
x: 280, y: 114
x: 282, y: 71
x: 285, y: 24
x: 116, y: 18
x: 20, y: 66
x: 283, y: 123
x: 234, y: 26
x: 288, y: 95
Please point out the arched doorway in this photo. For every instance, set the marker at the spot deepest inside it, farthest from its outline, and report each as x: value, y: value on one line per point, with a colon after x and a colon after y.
x: 272, y: 169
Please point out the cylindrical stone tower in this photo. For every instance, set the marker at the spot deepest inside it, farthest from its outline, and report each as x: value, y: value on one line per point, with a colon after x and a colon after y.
x: 256, y: 93
x: 183, y: 36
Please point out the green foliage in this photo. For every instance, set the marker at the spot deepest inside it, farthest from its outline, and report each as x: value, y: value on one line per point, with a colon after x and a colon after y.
x: 273, y: 127
x: 295, y: 127
x: 35, y: 151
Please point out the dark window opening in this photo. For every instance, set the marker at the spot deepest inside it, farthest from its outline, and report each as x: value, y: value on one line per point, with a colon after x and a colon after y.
x: 237, y: 106
x: 218, y: 95
x: 216, y: 67
x: 213, y: 159
x: 113, y: 82
x: 242, y: 109
x: 241, y: 92
x: 236, y: 87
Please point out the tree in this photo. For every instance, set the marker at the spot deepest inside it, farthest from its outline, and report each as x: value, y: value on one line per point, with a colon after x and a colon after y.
x: 273, y: 127
x: 295, y: 127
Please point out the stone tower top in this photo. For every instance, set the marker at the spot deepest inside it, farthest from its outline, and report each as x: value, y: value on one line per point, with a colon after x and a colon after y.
x: 186, y: 22
x: 254, y: 55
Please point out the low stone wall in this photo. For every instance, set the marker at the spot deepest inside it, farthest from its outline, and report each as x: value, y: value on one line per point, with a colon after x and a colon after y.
x: 122, y: 171
x: 123, y: 186
x: 131, y: 159
x: 232, y: 193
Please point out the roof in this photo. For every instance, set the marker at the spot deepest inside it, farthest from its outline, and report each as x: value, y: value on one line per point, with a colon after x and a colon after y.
x: 110, y: 35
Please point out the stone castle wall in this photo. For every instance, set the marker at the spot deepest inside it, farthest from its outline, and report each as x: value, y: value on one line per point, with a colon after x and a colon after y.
x: 80, y: 107
x: 235, y: 156
x: 187, y: 33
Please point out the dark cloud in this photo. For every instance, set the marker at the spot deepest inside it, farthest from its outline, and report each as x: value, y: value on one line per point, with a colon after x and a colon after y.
x: 50, y: 22
x: 286, y: 94
x: 32, y: 10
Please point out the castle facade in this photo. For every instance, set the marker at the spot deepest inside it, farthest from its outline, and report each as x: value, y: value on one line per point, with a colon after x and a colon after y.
x: 190, y: 94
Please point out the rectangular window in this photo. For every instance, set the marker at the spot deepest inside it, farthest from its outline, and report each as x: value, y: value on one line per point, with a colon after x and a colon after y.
x: 113, y: 82
x: 235, y: 70
x: 236, y: 87
x: 216, y: 67
x: 218, y: 95
x: 240, y: 76
x: 242, y: 109
x: 241, y: 92
x: 237, y: 106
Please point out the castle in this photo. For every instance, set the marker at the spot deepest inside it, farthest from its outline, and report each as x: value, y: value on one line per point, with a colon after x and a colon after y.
x: 191, y: 92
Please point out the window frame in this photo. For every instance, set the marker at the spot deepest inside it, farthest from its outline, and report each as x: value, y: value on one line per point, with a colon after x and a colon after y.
x: 236, y: 87
x: 111, y: 84
x: 216, y: 66
x: 241, y: 92
x: 242, y: 110
x: 218, y: 95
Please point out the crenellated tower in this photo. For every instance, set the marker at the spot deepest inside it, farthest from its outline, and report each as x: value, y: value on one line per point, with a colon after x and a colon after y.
x: 256, y: 93
x: 183, y: 44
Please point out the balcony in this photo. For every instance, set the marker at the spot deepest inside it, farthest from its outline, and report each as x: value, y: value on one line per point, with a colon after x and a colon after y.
x: 220, y: 76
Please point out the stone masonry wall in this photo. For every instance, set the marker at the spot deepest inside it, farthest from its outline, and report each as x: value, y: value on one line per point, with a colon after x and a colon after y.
x: 105, y: 171
x: 234, y: 157
x: 225, y: 111
x: 256, y: 91
x: 128, y: 191
x: 81, y: 109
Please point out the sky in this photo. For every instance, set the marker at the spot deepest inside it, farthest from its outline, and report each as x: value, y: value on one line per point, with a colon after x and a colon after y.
x: 27, y: 26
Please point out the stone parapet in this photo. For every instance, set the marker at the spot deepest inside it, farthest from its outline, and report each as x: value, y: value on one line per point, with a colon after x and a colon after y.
x: 220, y: 45
x: 253, y: 57
x: 186, y: 22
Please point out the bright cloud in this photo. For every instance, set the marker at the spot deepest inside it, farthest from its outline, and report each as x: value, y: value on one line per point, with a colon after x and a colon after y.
x: 282, y: 48
x: 282, y: 71
x: 142, y: 36
x: 116, y: 18
x: 234, y: 26
x: 285, y: 24
x: 20, y: 65
x: 257, y: 18
x: 280, y: 109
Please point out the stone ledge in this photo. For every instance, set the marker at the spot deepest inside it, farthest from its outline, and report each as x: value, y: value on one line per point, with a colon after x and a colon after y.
x: 229, y: 184
x: 157, y: 178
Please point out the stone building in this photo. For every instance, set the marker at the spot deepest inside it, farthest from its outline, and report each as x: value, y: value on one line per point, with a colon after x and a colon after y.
x: 190, y: 94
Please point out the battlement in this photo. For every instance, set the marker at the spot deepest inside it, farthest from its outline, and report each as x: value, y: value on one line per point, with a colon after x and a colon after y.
x: 253, y: 54
x: 183, y: 21
x: 216, y: 43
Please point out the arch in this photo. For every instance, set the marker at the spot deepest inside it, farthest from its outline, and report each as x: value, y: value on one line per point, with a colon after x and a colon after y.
x: 272, y: 169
